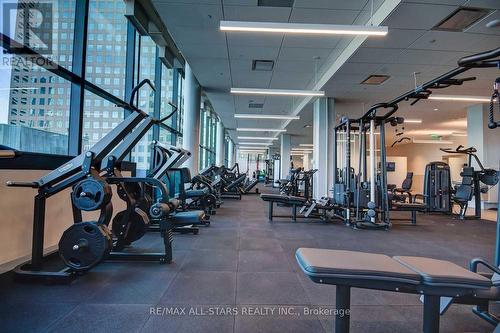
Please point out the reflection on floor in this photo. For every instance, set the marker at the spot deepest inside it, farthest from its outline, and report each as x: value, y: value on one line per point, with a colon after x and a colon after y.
x: 242, y: 261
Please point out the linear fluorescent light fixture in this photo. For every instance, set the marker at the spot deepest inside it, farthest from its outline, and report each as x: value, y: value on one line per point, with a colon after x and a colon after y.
x: 256, y: 143
x: 256, y: 138
x: 265, y: 116
x: 306, y: 145
x: 459, y: 98
x: 276, y: 92
x: 244, y: 129
x: 442, y: 142
x: 253, y: 148
x: 458, y: 134
x: 413, y: 121
x: 303, y: 28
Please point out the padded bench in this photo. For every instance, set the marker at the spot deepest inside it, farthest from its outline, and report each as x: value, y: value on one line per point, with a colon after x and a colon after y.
x: 424, y: 276
x: 412, y: 207
x: 288, y: 200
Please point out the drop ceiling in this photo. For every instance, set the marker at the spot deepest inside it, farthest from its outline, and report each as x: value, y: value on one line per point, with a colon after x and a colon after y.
x: 224, y: 60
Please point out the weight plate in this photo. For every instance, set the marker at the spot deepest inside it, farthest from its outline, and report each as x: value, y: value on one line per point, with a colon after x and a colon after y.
x: 91, y: 194
x: 84, y: 245
x: 137, y: 226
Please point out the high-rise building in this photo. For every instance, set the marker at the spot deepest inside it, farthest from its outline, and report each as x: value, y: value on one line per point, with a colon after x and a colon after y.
x: 40, y: 100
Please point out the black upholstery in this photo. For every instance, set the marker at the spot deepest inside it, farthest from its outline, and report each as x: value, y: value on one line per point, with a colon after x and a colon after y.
x: 324, y: 263
x: 465, y: 191
x: 286, y: 199
x: 403, y: 193
x: 444, y: 273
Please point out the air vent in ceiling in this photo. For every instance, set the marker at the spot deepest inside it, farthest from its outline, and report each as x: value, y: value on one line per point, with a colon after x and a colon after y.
x: 262, y: 65
x: 461, y: 19
x: 375, y: 79
x: 255, y: 105
x: 275, y: 3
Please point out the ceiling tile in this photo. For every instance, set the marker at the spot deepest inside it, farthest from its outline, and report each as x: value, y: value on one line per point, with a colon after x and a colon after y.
x: 375, y: 55
x: 417, y: 16
x: 253, y: 52
x: 329, y: 4
x: 182, y: 14
x: 320, y: 42
x: 260, y: 14
x: 252, y: 39
x: 395, y: 39
x: 455, y: 41
x: 323, y: 16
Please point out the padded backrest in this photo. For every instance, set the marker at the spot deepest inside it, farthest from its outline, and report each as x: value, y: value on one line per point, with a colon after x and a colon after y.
x: 185, y: 175
x: 408, y: 182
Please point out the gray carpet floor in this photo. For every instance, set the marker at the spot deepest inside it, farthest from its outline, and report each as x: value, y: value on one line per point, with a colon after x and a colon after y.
x: 245, y: 263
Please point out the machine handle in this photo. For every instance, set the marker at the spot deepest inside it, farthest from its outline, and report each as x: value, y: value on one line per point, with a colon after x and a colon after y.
x: 23, y: 184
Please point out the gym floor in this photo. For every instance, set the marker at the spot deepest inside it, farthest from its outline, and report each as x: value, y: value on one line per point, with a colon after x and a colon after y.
x: 243, y: 260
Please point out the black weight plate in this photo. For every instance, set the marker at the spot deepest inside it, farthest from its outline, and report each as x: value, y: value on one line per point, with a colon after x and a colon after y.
x: 137, y: 229
x: 91, y: 194
x: 84, y: 245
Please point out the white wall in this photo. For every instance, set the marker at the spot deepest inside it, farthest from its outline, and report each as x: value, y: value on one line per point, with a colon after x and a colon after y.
x: 396, y: 177
x: 419, y: 155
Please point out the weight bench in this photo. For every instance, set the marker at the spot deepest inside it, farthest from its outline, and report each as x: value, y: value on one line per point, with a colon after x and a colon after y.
x: 283, y: 199
x: 412, y: 207
x: 415, y: 275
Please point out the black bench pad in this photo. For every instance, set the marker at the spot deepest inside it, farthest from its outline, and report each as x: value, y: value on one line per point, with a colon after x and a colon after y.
x: 197, y: 193
x: 195, y: 216
x: 356, y: 265
x: 286, y: 199
x: 408, y: 206
x: 444, y: 273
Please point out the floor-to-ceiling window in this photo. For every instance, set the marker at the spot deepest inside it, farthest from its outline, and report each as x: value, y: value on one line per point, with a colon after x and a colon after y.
x: 34, y: 103
x: 208, y: 133
x: 45, y: 106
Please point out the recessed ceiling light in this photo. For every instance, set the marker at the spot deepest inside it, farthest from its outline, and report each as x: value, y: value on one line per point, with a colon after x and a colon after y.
x: 375, y: 79
x: 244, y: 129
x: 436, y: 109
x: 255, y: 138
x: 413, y: 121
x: 303, y: 28
x: 265, y: 116
x: 278, y: 92
x: 459, y: 98
x: 256, y: 143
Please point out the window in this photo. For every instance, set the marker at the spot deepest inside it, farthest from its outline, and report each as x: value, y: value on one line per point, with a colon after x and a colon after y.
x: 167, y: 90
x: 108, y: 15
x: 146, y: 60
x: 208, y: 129
x: 36, y: 130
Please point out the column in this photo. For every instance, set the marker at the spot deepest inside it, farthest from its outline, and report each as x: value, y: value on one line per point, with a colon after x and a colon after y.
x: 285, y: 155
x: 323, y: 125
x: 219, y: 144
x: 305, y: 162
x: 191, y: 125
x: 230, y: 154
x: 486, y: 141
